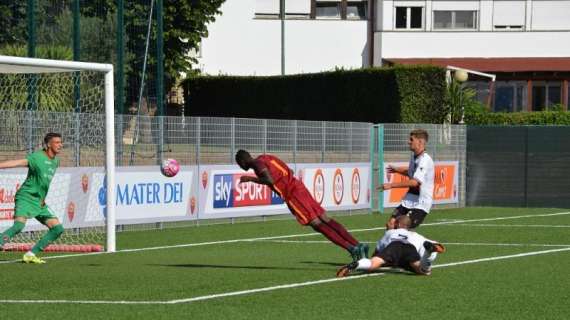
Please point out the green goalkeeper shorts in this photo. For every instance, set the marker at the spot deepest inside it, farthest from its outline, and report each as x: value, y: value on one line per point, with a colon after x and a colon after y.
x: 28, y: 209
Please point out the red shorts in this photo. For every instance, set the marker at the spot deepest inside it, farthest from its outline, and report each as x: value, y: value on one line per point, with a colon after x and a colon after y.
x: 302, y: 204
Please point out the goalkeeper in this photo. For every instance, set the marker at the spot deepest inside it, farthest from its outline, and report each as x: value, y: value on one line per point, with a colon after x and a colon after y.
x: 30, y: 197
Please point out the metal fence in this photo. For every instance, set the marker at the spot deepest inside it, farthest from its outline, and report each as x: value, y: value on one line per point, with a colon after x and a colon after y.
x: 205, y: 140
x: 196, y: 140
x: 518, y: 166
x: 145, y: 140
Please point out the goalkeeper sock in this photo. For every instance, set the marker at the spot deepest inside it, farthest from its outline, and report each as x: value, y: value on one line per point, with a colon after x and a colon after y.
x: 53, y: 233
x: 16, y: 228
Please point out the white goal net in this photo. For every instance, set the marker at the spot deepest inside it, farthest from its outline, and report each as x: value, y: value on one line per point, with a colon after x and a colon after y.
x: 74, y: 99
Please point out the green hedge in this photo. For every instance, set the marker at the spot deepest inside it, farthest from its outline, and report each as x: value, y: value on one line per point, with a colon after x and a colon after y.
x: 519, y: 118
x: 380, y: 95
x: 422, y: 94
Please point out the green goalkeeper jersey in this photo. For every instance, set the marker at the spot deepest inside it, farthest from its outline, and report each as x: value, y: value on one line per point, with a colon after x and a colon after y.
x: 41, y: 170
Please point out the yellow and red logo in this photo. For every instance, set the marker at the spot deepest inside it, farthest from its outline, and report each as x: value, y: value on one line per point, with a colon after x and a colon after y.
x: 192, y: 205
x: 338, y: 186
x: 71, y: 211
x: 355, y: 186
x: 319, y: 186
x: 204, y: 179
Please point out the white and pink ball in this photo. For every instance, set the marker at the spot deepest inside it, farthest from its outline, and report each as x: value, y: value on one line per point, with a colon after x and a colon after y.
x: 170, y: 167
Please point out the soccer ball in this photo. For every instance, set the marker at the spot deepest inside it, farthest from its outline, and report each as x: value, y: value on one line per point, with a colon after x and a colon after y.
x: 170, y: 167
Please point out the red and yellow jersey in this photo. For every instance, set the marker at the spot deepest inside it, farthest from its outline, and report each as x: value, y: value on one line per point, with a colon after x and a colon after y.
x: 299, y: 200
x: 283, y: 177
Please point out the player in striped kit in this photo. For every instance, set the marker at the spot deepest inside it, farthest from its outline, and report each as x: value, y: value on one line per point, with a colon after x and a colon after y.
x: 273, y: 172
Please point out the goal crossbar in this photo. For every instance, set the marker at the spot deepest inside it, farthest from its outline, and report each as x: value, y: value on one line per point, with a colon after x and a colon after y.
x: 34, y: 65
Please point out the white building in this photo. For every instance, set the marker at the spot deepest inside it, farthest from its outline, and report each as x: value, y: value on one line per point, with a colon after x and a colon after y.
x: 246, y: 39
x: 525, y: 42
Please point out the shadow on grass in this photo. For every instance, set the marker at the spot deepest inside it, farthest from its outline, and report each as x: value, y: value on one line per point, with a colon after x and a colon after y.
x: 395, y: 271
x: 334, y: 264
x: 382, y: 270
x: 218, y: 266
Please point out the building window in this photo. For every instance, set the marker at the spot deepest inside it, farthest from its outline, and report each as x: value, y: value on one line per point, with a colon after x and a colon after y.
x: 461, y: 20
x: 508, y: 28
x: 409, y: 17
x: 328, y: 10
x: 269, y: 16
x: 482, y: 90
x: 339, y: 9
x: 356, y: 10
x: 545, y: 95
x: 271, y: 9
x: 510, y: 96
x: 267, y: 9
x: 509, y: 15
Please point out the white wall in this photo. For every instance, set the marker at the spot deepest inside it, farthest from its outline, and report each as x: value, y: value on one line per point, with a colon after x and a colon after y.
x: 472, y: 44
x: 545, y: 32
x: 535, y: 15
x: 317, y: 45
x: 550, y: 15
x: 238, y: 44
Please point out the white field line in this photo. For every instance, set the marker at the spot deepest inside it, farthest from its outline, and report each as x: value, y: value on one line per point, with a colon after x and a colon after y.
x: 286, y: 236
x: 496, y: 218
x: 513, y: 225
x: 451, y: 264
x: 445, y: 243
x: 273, y: 288
x: 505, y: 244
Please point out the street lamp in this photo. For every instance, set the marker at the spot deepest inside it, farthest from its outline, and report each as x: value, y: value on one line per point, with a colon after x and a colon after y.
x: 461, y: 76
x: 282, y: 17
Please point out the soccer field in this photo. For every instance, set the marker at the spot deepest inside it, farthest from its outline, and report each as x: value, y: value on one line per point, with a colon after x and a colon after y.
x: 501, y: 263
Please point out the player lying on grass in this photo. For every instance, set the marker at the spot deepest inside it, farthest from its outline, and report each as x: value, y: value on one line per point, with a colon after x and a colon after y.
x: 30, y: 197
x: 273, y: 172
x: 400, y: 248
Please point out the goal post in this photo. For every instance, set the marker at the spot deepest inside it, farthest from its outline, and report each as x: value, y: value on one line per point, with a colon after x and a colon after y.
x: 21, y: 80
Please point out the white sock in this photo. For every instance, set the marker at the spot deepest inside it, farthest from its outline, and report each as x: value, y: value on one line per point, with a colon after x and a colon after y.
x: 29, y: 254
x: 364, y: 264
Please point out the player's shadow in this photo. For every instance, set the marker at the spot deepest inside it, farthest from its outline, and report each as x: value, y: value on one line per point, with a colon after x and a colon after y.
x: 396, y: 271
x: 219, y: 266
x: 382, y: 270
x: 326, y: 263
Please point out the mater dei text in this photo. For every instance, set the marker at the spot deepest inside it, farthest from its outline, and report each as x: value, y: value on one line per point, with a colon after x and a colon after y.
x: 149, y: 193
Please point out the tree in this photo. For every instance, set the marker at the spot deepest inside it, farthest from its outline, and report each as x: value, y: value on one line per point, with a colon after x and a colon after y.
x: 185, y: 24
x: 13, y: 22
x: 461, y: 103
